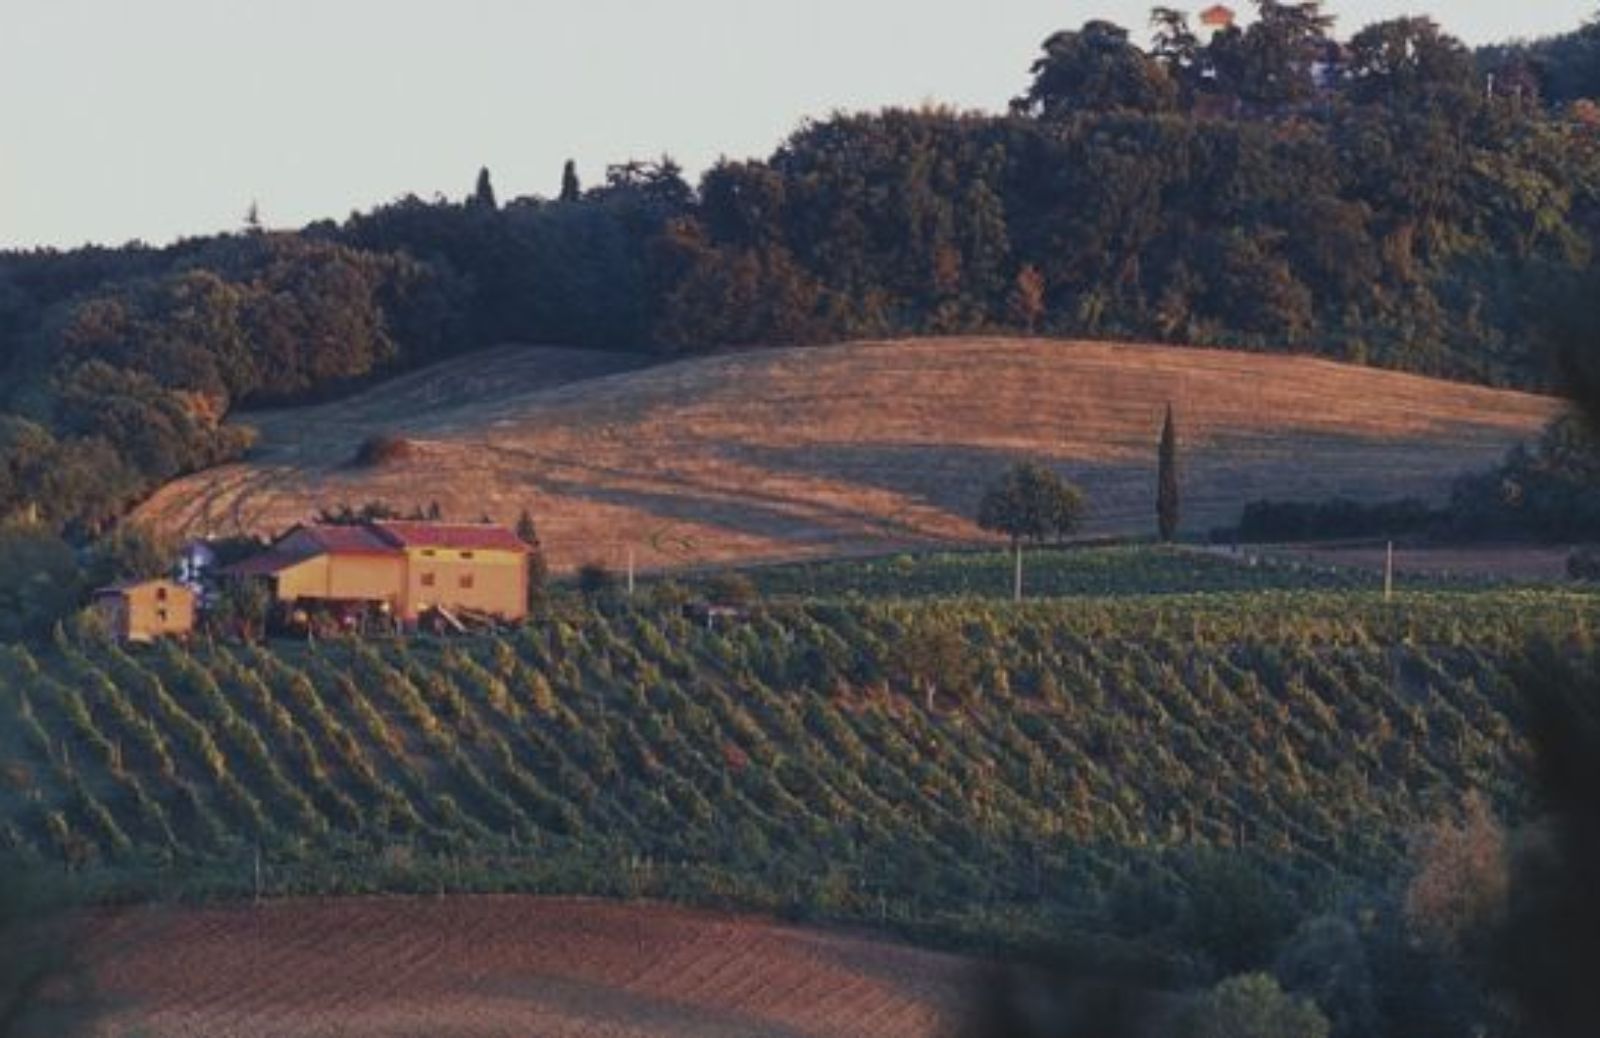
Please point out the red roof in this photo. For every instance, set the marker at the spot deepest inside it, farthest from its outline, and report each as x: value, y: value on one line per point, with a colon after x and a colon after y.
x: 376, y: 538
x: 1217, y: 15
x: 450, y: 536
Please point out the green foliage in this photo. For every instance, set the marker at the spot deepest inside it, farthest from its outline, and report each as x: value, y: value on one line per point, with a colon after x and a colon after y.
x: 1031, y: 503
x: 1228, y: 765
x: 1096, y: 69
x: 1066, y: 572
x: 40, y: 581
x: 1263, y: 191
x: 1254, y: 1006
x: 1551, y: 492
x: 571, y: 189
x: 44, y: 988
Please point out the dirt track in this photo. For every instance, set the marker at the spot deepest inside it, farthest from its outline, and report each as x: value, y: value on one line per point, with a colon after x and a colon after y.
x: 493, y: 966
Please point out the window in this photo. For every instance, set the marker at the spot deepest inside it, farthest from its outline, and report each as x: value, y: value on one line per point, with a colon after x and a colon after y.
x: 427, y: 580
x: 466, y: 555
x: 161, y: 594
x: 161, y: 615
x: 466, y: 582
x: 428, y: 553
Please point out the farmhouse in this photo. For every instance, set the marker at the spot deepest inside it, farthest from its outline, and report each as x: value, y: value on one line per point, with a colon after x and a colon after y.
x: 401, y: 569
x: 144, y: 610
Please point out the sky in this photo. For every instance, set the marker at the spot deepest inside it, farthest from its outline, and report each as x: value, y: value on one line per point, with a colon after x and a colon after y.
x: 154, y: 119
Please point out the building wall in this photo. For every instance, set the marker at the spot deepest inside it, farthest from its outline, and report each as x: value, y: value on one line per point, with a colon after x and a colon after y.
x: 145, y: 612
x: 308, y: 579
x: 494, y: 582
x: 344, y: 578
x: 367, y: 578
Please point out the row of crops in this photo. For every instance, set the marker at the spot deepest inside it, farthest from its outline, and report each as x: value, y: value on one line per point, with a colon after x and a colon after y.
x: 1094, y: 747
x: 1058, y: 572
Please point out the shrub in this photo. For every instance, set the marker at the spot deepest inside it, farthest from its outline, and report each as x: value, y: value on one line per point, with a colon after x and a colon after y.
x: 1584, y: 564
x: 381, y: 449
x: 1254, y: 1006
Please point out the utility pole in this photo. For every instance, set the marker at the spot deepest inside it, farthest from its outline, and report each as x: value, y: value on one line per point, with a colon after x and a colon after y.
x: 630, y: 571
x: 1388, y: 573
x: 1016, y: 591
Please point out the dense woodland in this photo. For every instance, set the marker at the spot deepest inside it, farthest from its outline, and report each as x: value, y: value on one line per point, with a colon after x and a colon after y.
x: 1392, y: 198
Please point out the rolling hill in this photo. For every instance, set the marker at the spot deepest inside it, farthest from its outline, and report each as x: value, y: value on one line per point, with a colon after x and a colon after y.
x: 848, y: 449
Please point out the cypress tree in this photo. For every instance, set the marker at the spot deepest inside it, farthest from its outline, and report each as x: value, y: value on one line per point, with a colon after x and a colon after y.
x: 527, y: 532
x: 571, y: 190
x: 483, y: 194
x: 1167, y: 481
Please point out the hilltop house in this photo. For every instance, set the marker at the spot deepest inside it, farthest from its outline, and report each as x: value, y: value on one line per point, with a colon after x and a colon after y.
x: 144, y: 610
x: 1215, y: 19
x: 400, y: 569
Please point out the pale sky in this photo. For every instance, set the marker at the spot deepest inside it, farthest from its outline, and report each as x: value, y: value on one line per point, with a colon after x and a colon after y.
x: 152, y: 119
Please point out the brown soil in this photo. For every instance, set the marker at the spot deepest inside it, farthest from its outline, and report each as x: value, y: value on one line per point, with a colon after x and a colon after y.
x: 851, y: 449
x: 458, y: 967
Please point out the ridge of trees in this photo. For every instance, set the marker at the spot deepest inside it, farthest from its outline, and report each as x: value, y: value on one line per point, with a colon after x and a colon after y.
x: 1392, y: 199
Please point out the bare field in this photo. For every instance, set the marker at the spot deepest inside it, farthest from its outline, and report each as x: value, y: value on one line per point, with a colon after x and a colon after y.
x: 849, y: 449
x: 473, y: 967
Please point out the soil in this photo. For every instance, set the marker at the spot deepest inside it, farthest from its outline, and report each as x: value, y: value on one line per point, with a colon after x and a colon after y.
x: 473, y: 967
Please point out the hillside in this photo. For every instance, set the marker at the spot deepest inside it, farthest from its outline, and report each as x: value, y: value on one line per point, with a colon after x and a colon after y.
x: 850, y: 448
x: 1076, y: 749
x: 471, y: 967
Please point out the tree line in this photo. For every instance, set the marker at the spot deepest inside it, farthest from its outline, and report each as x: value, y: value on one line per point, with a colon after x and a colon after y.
x: 1392, y: 198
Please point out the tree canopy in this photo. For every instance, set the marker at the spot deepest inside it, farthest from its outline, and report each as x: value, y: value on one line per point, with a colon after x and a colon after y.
x: 1031, y: 503
x: 1391, y: 198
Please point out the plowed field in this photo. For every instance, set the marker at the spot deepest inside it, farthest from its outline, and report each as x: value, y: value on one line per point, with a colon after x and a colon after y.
x: 459, y: 967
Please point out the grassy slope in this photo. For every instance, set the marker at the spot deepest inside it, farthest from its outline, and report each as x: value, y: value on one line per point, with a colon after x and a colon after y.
x: 854, y: 448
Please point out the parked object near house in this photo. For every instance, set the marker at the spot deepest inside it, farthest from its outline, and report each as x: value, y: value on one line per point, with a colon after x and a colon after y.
x: 404, y: 570
x: 144, y: 610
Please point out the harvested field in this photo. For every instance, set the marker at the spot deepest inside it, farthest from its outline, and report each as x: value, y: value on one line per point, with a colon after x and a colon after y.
x: 850, y: 449
x: 459, y: 967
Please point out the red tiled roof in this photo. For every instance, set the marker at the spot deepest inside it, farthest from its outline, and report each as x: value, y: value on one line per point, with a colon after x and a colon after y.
x: 378, y: 538
x: 450, y: 536
x: 1217, y: 15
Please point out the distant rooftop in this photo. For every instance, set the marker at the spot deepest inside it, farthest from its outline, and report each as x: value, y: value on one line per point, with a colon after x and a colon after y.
x: 1218, y: 16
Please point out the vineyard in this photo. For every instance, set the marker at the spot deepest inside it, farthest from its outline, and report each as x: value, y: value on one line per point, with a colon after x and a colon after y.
x: 1087, y: 765
x: 1059, y: 572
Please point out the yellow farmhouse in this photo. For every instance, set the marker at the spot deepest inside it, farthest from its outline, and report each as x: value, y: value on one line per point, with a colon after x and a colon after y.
x: 404, y: 568
x: 144, y: 610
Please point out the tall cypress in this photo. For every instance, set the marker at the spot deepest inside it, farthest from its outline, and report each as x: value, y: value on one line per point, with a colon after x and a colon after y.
x: 571, y: 190
x: 483, y: 194
x: 1167, y: 481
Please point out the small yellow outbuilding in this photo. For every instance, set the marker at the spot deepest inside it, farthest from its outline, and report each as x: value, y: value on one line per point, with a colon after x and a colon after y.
x: 144, y: 610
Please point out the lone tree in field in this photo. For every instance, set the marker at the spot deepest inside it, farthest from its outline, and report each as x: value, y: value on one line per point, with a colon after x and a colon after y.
x: 1167, y: 482
x: 1030, y: 503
